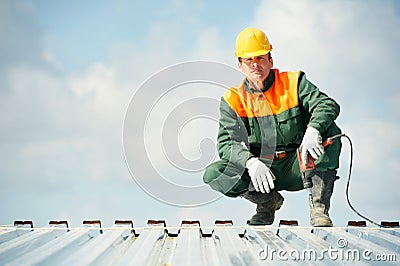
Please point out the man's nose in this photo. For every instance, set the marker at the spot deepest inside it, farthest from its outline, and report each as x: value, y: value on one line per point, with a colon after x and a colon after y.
x: 254, y: 63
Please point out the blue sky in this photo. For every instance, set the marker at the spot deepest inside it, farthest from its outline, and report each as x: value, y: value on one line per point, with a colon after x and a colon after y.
x: 69, y: 69
x: 87, y: 31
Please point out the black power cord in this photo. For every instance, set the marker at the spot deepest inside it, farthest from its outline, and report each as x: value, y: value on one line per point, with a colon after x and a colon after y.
x: 348, y: 180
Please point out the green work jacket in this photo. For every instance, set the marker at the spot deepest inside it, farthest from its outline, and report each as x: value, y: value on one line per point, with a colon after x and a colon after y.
x: 253, y: 122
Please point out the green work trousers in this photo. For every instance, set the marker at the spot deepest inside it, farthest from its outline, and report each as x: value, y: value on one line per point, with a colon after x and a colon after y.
x: 233, y: 180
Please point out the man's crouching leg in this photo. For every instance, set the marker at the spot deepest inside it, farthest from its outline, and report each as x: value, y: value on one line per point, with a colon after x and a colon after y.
x: 227, y: 178
x: 267, y: 204
x: 233, y: 181
x: 321, y: 195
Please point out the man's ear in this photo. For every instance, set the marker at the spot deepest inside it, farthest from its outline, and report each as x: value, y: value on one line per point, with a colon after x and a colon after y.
x: 271, y: 60
x: 240, y: 67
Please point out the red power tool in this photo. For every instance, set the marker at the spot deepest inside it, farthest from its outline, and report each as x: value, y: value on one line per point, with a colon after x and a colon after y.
x: 308, y: 167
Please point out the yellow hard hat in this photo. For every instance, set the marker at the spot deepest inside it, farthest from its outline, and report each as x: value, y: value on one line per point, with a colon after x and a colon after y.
x: 252, y: 42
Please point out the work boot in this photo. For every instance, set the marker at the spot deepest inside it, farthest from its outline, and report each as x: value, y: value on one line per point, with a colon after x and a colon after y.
x: 267, y: 204
x: 321, y: 195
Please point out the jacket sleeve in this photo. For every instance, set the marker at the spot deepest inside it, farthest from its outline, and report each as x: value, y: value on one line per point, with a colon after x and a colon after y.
x: 319, y: 107
x: 232, y: 141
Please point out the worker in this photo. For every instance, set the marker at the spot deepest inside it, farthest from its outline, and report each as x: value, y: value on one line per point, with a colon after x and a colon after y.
x: 262, y: 123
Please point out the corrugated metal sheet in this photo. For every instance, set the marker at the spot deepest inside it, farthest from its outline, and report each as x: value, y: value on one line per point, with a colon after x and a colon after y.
x: 193, y: 244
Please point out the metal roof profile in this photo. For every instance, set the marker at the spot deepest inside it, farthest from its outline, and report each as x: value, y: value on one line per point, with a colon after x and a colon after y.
x: 193, y: 244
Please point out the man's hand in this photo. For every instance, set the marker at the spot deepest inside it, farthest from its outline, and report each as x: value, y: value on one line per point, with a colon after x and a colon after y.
x: 261, y: 176
x: 312, y: 143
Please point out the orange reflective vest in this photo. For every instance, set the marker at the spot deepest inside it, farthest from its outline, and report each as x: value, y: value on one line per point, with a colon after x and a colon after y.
x: 282, y: 96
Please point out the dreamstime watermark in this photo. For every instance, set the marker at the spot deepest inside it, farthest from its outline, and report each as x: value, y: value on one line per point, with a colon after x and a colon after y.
x: 341, y: 253
x: 170, y: 131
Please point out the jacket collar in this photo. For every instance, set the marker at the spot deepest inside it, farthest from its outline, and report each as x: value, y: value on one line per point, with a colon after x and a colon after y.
x: 267, y: 83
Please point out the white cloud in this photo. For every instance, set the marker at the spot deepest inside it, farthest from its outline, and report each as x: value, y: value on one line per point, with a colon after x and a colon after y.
x: 348, y: 49
x: 210, y: 46
x: 100, y: 89
x: 61, y: 129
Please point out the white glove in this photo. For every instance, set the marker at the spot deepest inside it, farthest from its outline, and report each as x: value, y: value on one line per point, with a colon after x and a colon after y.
x: 312, y: 143
x: 261, y: 177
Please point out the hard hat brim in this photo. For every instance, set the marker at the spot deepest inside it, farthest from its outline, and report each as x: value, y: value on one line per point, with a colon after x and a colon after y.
x: 251, y: 54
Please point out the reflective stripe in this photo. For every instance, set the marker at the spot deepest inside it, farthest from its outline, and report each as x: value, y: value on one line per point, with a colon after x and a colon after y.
x: 282, y: 96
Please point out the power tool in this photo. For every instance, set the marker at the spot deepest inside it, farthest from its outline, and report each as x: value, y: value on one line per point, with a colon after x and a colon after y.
x: 305, y: 169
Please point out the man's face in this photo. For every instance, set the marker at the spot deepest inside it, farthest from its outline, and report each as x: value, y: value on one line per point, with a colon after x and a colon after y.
x: 256, y: 68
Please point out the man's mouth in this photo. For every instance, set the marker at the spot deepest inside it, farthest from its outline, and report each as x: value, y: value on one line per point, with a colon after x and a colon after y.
x: 256, y: 71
